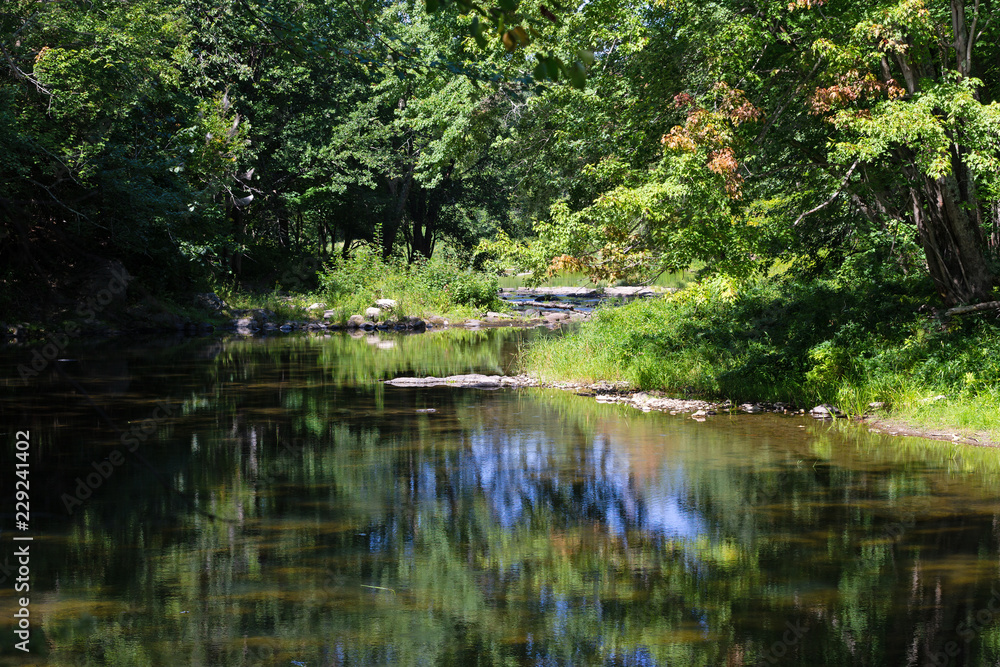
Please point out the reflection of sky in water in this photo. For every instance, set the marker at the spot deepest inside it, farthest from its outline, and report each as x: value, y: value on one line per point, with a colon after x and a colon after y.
x: 518, y: 471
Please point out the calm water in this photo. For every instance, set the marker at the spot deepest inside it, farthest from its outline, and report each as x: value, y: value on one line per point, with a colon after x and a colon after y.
x: 281, y: 507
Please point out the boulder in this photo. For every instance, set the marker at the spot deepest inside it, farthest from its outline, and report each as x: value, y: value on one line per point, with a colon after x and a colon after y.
x: 355, y: 321
x: 825, y: 411
x: 316, y: 306
x: 245, y: 325
x: 388, y: 304
x: 373, y: 312
x: 209, y: 300
x: 414, y: 323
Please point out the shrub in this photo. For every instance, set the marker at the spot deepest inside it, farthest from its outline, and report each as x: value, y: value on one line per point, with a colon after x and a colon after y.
x: 427, y: 287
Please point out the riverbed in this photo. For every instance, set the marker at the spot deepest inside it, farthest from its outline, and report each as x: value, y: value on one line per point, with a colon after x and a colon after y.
x: 270, y: 501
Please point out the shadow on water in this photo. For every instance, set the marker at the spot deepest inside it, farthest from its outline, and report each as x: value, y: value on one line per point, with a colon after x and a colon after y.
x: 359, y: 524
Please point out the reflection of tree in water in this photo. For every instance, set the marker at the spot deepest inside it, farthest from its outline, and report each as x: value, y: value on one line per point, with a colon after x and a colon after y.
x: 521, y: 470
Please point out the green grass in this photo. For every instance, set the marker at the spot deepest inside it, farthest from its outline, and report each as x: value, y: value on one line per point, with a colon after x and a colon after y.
x: 801, y: 343
x: 436, y: 287
x: 433, y: 287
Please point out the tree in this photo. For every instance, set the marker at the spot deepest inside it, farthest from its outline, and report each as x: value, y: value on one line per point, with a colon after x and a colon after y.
x: 809, y: 128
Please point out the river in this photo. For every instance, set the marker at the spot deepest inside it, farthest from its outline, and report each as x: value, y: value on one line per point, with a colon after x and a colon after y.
x: 268, y: 501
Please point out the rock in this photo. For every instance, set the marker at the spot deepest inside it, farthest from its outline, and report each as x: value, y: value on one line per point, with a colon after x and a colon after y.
x: 286, y: 327
x: 373, y: 312
x: 316, y: 306
x: 473, y: 381
x: 700, y: 413
x: 825, y: 411
x: 499, y: 316
x: 209, y: 300
x: 876, y: 405
x: 751, y: 408
x: 414, y: 323
x: 329, y: 315
x: 426, y: 411
x: 933, y: 399
x: 629, y: 291
x: 355, y: 321
x: 388, y: 304
x: 246, y: 325
x: 472, y: 324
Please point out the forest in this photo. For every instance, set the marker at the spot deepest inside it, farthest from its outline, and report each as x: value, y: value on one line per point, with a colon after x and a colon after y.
x: 840, y: 160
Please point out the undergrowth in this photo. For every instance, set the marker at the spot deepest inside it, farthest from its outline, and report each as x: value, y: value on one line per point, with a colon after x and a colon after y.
x: 438, y: 286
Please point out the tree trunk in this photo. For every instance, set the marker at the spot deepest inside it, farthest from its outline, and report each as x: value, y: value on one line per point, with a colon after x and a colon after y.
x: 399, y: 188
x: 952, y: 240
x: 283, y: 231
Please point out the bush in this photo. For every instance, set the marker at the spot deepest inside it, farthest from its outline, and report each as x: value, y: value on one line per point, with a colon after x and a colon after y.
x: 424, y: 288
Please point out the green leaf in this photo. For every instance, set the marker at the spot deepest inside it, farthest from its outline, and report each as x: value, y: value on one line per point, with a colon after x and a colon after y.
x: 577, y: 74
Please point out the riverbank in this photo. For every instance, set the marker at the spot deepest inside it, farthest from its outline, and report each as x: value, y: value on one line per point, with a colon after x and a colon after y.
x: 874, y: 351
x: 699, y: 410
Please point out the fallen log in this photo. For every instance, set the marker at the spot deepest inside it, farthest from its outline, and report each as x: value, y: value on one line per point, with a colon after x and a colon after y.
x: 962, y: 310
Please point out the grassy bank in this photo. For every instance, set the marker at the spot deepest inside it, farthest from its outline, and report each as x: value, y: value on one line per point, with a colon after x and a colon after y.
x: 435, y: 287
x: 801, y: 343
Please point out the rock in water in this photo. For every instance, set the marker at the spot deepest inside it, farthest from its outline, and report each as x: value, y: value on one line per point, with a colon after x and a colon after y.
x: 825, y: 411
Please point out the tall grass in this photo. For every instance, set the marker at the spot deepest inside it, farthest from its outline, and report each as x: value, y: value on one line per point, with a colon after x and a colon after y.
x: 430, y: 287
x: 436, y: 287
x: 802, y: 343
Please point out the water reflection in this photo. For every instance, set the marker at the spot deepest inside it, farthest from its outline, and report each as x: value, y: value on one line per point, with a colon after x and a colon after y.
x: 291, y: 509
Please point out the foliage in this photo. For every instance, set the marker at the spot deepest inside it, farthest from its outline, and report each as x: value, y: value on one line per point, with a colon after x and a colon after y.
x: 424, y: 288
x: 798, y: 129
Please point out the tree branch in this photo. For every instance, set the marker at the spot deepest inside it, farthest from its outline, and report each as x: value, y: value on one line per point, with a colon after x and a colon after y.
x: 847, y: 177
